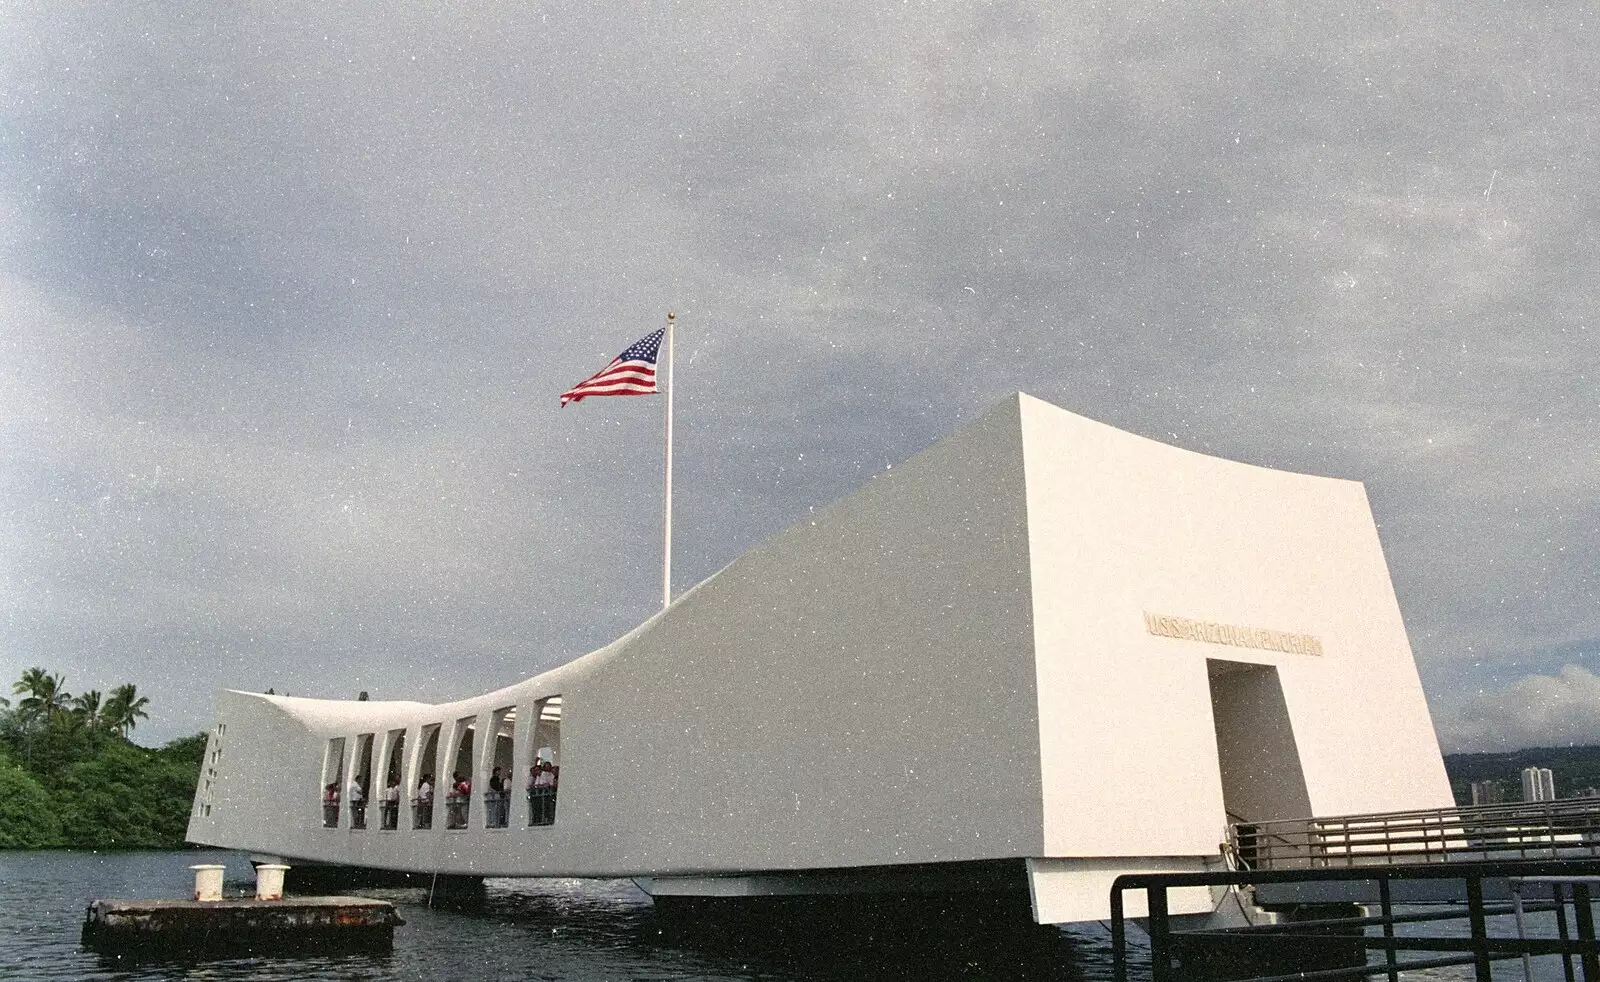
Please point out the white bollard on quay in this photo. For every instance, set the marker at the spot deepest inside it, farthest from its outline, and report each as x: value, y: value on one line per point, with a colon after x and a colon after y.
x: 208, y: 881
x: 269, y: 881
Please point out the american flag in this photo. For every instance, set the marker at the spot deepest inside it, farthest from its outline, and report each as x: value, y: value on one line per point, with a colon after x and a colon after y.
x: 632, y: 373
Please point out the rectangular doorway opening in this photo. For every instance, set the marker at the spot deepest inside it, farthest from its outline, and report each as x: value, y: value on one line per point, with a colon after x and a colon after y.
x: 1261, y: 775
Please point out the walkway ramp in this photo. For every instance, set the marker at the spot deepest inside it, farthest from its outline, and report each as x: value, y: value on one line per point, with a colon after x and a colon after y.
x: 1522, y: 831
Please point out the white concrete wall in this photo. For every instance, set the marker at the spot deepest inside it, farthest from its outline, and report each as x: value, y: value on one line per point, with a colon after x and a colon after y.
x: 857, y: 691
x: 1120, y: 526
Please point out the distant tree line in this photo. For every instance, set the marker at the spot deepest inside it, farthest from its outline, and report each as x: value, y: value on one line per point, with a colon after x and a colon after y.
x: 70, y: 778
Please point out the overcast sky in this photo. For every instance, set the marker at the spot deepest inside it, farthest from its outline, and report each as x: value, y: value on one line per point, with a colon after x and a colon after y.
x: 288, y: 293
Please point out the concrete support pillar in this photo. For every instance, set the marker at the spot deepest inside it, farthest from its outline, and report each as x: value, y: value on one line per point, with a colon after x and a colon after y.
x: 449, y: 890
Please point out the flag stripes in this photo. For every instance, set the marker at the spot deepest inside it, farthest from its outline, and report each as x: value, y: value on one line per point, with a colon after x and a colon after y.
x: 632, y: 373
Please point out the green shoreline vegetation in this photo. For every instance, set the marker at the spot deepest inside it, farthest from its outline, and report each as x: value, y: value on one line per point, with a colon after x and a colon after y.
x: 71, y: 779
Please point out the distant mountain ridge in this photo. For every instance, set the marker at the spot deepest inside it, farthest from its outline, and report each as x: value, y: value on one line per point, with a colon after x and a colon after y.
x: 1576, y: 769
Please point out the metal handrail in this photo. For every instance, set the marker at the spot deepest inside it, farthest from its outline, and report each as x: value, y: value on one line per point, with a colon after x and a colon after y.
x: 542, y: 805
x: 1565, y: 827
x: 456, y: 804
x: 422, y: 812
x: 496, y: 809
x: 1561, y: 805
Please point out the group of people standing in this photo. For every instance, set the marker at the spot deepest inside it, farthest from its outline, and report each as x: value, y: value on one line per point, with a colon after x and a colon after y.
x: 543, y: 778
x: 389, y: 808
x: 389, y: 815
x: 357, y: 797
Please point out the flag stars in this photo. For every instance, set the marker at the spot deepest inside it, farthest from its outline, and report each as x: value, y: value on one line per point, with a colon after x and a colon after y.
x: 632, y: 373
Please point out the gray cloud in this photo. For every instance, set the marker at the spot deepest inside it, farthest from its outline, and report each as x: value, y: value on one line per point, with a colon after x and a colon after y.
x: 1536, y: 710
x: 288, y: 295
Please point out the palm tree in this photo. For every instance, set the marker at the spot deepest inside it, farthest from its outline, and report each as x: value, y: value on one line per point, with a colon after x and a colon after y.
x: 30, y: 679
x: 47, y: 696
x: 124, y: 709
x: 87, y: 706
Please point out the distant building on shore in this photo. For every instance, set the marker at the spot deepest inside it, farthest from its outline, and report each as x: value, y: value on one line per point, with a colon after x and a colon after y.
x: 1487, y: 793
x: 1538, y: 784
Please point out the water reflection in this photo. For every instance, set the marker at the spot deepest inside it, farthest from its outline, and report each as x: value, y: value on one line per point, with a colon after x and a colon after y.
x: 584, y: 931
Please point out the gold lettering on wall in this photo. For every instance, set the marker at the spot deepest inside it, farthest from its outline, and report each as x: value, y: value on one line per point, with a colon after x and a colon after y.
x: 1168, y: 626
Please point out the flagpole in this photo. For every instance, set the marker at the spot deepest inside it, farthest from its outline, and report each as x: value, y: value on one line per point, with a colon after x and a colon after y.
x: 666, y: 545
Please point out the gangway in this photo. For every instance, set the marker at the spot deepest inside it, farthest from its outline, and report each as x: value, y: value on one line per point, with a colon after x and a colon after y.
x: 1470, y: 863
x: 1521, y: 830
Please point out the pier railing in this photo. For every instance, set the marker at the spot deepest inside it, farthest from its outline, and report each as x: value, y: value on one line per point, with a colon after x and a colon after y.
x: 1339, y: 945
x: 1521, y: 830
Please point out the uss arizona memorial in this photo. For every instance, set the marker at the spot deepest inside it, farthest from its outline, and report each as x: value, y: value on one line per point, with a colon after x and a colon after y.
x: 1041, y: 653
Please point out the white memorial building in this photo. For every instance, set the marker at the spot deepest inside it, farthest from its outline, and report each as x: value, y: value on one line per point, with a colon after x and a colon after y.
x: 1038, y: 654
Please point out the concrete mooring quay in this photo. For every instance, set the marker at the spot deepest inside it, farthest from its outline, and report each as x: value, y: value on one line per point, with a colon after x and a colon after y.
x: 181, y: 926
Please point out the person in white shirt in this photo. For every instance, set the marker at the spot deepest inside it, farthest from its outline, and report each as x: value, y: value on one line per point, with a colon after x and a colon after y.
x: 358, y: 805
x: 391, y: 805
x: 422, y: 815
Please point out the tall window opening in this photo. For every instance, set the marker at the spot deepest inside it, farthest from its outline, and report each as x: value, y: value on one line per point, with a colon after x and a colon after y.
x: 427, y: 764
x: 360, y: 782
x: 332, y: 777
x: 497, y: 798
x: 544, y: 775
x: 393, y: 768
x: 459, y: 799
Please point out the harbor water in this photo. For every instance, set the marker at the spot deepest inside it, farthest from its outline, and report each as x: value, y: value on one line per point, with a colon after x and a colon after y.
x: 578, y: 930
